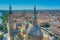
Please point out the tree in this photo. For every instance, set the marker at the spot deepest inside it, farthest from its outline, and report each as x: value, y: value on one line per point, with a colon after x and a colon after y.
x: 1, y: 36
x: 4, y: 18
x: 1, y: 27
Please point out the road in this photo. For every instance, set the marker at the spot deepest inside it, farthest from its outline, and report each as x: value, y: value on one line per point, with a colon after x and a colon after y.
x: 8, y: 36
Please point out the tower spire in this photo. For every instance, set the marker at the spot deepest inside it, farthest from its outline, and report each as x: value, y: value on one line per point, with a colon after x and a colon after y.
x: 10, y: 9
x: 35, y: 16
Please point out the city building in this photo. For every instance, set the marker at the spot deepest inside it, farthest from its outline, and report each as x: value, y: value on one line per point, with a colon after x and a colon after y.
x: 56, y: 27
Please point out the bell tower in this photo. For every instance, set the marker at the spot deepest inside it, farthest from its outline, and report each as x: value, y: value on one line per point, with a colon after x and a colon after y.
x: 10, y: 9
x: 35, y: 16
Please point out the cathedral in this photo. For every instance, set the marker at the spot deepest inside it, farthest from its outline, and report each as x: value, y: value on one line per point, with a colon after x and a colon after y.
x: 20, y: 27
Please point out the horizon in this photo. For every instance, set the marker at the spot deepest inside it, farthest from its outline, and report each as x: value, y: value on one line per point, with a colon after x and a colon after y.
x: 30, y: 9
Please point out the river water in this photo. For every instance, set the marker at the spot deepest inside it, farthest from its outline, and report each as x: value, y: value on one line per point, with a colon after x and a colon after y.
x: 0, y: 18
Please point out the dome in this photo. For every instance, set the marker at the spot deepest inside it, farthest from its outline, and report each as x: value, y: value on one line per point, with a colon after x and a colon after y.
x: 34, y: 33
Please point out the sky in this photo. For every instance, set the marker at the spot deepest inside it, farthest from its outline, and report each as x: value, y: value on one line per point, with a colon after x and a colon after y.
x: 29, y: 4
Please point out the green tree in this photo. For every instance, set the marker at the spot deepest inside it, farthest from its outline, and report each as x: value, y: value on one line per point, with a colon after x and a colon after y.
x: 1, y: 27
x: 4, y: 18
x: 1, y: 36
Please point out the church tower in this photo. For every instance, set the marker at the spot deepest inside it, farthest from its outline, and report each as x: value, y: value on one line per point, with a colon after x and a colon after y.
x: 10, y: 9
x: 35, y: 17
x: 35, y: 32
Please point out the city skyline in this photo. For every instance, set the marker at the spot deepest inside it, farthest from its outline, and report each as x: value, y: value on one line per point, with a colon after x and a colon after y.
x: 29, y: 4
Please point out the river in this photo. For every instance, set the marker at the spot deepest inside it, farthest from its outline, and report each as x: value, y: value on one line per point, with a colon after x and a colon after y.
x: 0, y: 18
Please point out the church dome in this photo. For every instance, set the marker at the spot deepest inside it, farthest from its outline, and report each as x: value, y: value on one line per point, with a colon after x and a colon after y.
x: 34, y: 33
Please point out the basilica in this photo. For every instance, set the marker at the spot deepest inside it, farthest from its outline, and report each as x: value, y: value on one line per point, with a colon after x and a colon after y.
x: 21, y: 28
